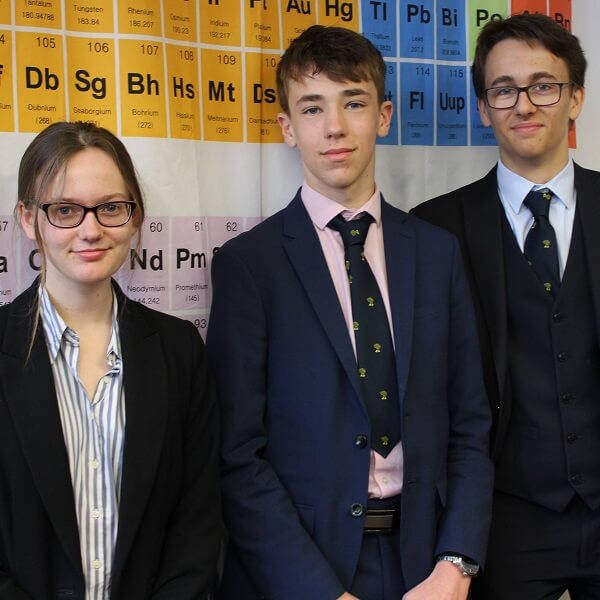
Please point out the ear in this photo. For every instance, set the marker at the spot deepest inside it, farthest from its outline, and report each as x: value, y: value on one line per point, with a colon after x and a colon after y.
x: 136, y: 218
x: 27, y: 219
x: 576, y: 102
x: 386, y: 110
x: 484, y: 112
x: 285, y: 122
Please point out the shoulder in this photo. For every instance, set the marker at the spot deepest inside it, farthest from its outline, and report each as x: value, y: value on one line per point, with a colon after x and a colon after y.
x: 263, y: 244
x: 263, y: 232
x: 162, y: 322
x: 21, y: 308
x: 425, y: 232
x: 589, y: 175
x: 176, y: 335
x: 452, y: 202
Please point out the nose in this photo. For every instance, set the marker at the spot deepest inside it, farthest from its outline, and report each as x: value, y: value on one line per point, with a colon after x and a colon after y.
x: 335, y: 124
x: 89, y: 228
x: 524, y: 105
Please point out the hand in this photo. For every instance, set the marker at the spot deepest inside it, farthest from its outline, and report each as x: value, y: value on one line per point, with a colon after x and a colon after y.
x: 347, y: 596
x: 446, y: 582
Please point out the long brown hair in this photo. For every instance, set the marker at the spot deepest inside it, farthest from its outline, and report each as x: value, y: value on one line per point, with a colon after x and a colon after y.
x: 47, y: 157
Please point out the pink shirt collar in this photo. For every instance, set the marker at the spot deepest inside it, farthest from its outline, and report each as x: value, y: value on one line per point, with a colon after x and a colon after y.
x: 322, y: 209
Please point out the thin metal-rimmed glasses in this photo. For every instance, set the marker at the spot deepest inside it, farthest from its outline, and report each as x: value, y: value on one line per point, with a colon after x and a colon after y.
x: 539, y: 94
x: 69, y: 214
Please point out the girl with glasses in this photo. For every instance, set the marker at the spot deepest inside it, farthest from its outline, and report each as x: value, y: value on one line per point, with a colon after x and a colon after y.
x: 108, y: 432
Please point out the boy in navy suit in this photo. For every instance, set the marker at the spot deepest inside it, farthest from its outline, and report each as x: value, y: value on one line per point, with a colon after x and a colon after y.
x: 354, y: 420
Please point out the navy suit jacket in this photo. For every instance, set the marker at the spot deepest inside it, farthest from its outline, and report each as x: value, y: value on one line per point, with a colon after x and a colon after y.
x: 170, y: 530
x: 294, y: 477
x: 474, y: 215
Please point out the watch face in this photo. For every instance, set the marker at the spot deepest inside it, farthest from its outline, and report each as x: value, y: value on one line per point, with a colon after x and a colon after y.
x: 469, y: 568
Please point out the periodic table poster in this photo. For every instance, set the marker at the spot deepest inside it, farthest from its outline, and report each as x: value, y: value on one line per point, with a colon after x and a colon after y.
x: 189, y: 85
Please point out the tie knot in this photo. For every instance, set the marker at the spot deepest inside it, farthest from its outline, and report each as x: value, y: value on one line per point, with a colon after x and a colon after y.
x: 353, y: 232
x: 538, y: 202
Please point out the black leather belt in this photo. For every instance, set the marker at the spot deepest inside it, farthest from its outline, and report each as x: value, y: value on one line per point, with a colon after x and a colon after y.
x: 382, y: 520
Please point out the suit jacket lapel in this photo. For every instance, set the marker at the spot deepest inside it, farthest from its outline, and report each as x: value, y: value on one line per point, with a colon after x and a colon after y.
x: 483, y: 233
x: 31, y: 398
x: 587, y: 186
x: 400, y: 264
x: 304, y: 251
x: 146, y: 395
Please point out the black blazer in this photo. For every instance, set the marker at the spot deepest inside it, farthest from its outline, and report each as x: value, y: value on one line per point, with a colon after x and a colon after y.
x: 169, y: 517
x: 474, y: 214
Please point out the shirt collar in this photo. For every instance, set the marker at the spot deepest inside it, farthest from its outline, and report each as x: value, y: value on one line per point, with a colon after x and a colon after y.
x: 513, y: 188
x: 322, y: 209
x: 56, y: 330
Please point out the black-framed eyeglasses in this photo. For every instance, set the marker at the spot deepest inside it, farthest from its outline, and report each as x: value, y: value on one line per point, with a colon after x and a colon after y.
x: 69, y: 214
x: 539, y: 94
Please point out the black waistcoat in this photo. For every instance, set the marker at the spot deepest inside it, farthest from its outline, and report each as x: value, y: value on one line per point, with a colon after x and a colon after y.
x: 552, y: 447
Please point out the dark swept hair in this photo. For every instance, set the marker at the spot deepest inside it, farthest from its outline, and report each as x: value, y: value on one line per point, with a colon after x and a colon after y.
x: 338, y: 53
x: 532, y: 29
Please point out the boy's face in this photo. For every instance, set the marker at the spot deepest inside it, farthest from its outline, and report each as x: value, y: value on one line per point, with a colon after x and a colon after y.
x: 335, y: 126
x: 530, y: 137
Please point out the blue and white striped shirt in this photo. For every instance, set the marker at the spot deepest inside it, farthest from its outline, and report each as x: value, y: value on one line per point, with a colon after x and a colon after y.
x: 94, y: 434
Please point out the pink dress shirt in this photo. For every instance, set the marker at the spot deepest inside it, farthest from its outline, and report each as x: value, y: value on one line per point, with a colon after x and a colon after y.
x: 385, y: 475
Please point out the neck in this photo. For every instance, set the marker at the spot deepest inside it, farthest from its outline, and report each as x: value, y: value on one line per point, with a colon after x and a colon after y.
x: 538, y: 170
x: 352, y: 196
x: 350, y: 199
x: 80, y: 307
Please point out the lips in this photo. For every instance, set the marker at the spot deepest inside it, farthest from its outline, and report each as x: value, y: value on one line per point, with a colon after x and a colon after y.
x: 338, y: 154
x: 91, y: 254
x: 527, y: 127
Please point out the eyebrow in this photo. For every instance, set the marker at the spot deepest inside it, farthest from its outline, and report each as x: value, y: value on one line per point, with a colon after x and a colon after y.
x: 101, y: 200
x: 510, y: 80
x: 349, y: 93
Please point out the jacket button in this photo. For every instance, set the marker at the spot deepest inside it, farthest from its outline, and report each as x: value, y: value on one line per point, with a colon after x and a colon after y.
x: 360, y: 441
x: 357, y: 509
x: 567, y: 398
x: 572, y: 438
x: 558, y: 317
x: 562, y: 357
x: 576, y: 479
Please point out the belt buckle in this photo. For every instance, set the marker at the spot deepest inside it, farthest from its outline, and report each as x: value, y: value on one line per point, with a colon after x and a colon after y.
x: 379, y: 520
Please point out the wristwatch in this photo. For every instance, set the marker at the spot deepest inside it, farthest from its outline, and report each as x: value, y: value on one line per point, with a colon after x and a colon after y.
x: 467, y: 567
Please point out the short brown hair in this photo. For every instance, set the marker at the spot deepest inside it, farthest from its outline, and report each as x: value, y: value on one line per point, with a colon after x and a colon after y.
x: 532, y: 29
x: 338, y: 53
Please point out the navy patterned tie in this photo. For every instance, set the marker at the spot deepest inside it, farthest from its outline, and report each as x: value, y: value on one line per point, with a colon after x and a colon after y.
x: 541, y: 249
x: 374, y: 350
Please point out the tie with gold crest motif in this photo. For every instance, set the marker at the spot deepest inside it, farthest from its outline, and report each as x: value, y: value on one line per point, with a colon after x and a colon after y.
x: 541, y: 249
x: 374, y: 350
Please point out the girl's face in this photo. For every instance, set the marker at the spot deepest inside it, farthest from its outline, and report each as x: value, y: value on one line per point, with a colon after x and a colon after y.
x: 87, y: 255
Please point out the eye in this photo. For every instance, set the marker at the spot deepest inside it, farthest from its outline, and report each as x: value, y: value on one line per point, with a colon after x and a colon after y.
x: 110, y: 208
x: 543, y: 88
x: 65, y: 210
x: 355, y: 105
x: 311, y: 110
x: 504, y: 91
